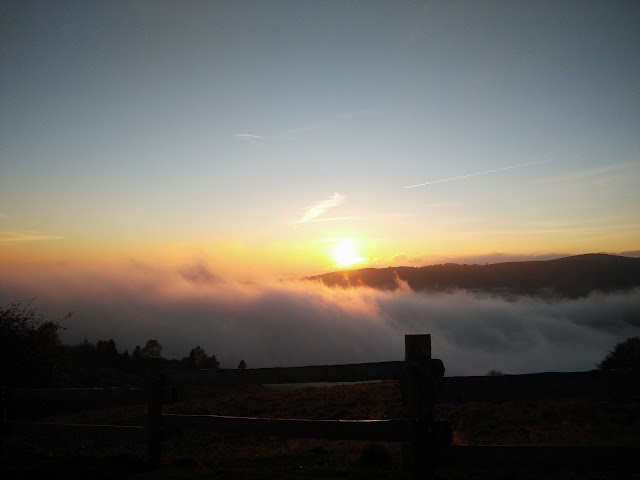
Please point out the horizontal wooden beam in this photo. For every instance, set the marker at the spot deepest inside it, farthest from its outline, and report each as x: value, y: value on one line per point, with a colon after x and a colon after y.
x: 456, y: 457
x: 372, y: 430
x: 73, y: 396
x: 358, y: 372
x: 538, y: 457
x: 540, y: 386
x: 78, y: 431
x: 535, y: 386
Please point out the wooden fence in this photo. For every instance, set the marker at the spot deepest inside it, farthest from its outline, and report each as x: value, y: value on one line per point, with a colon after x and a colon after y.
x: 426, y: 441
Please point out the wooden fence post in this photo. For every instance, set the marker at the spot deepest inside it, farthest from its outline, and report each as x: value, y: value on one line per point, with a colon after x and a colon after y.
x: 4, y: 400
x: 420, y: 405
x: 154, y: 412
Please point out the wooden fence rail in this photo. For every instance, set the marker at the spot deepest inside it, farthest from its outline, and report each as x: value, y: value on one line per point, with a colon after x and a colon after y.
x: 373, y: 430
x: 76, y: 431
x: 535, y: 386
x: 70, y: 396
x: 540, y: 386
x: 357, y: 372
x: 601, y: 458
x: 426, y: 441
x: 461, y: 457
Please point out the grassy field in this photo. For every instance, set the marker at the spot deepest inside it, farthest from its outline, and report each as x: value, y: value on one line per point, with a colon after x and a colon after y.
x: 202, y: 455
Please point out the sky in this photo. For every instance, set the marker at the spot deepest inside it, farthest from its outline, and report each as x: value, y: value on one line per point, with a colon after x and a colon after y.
x: 261, y: 137
x: 164, y: 166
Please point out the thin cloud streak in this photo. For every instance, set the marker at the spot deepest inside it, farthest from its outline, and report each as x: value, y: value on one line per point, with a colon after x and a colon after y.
x: 444, y: 204
x: 364, y: 217
x: 250, y: 137
x: 336, y: 219
x: 476, y: 174
x: 599, y: 173
x: 19, y: 237
x: 321, y: 208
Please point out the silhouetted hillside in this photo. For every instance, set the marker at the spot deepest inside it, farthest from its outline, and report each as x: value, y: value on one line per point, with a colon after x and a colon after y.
x: 567, y: 277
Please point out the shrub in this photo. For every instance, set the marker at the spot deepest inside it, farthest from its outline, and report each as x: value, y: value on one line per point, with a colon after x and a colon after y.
x: 198, y: 359
x: 29, y: 345
x: 151, y: 349
x: 624, y: 355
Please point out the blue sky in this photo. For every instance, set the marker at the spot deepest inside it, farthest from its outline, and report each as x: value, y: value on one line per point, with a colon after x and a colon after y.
x: 217, y: 126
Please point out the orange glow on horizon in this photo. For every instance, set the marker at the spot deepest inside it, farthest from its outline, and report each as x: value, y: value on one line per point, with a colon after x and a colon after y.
x: 273, y: 258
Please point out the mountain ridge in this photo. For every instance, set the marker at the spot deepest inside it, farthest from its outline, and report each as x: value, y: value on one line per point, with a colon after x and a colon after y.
x: 574, y: 276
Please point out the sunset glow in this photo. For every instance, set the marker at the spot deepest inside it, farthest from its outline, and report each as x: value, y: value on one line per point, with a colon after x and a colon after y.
x: 291, y: 183
x: 280, y: 141
x: 345, y: 254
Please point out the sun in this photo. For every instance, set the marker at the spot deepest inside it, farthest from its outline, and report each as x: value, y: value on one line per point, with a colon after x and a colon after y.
x: 345, y: 254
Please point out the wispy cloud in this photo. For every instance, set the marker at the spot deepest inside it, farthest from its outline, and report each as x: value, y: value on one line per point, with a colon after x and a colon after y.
x: 249, y: 137
x: 353, y: 115
x: 337, y: 219
x: 320, y: 208
x: 493, y: 257
x: 367, y: 217
x: 295, y: 132
x: 289, y: 134
x: 443, y: 204
x: 20, y: 237
x: 443, y: 180
x: 599, y: 173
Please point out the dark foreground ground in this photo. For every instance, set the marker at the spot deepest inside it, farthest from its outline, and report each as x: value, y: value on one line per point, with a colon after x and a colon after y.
x: 207, y: 456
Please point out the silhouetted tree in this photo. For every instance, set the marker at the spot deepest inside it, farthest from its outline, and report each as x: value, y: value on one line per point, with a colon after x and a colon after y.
x: 107, y: 350
x: 624, y: 355
x: 198, y: 359
x: 29, y: 345
x: 211, y: 362
x: 197, y: 356
x: 137, y: 352
x: 151, y: 349
x: 495, y: 373
x: 242, y: 365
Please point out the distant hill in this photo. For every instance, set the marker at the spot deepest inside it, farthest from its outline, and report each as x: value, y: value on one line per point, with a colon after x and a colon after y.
x: 572, y: 277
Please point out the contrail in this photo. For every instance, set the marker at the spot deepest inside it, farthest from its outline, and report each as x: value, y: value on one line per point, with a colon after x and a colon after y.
x: 475, y: 174
x: 250, y: 137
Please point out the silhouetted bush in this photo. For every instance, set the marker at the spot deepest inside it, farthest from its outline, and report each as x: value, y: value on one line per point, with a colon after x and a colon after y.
x: 29, y: 345
x: 198, y: 359
x: 624, y: 355
x: 151, y: 349
x: 495, y: 373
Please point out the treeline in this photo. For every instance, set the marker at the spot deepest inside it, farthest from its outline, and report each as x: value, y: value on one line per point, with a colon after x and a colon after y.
x: 106, y: 351
x: 32, y: 355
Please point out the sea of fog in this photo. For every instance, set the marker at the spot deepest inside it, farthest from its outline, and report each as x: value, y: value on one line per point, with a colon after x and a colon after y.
x: 301, y: 323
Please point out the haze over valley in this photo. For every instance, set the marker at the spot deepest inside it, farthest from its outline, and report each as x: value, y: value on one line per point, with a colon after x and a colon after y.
x: 302, y: 322
x: 291, y: 183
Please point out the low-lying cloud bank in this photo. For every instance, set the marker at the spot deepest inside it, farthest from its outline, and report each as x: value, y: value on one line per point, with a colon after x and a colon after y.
x: 301, y: 323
